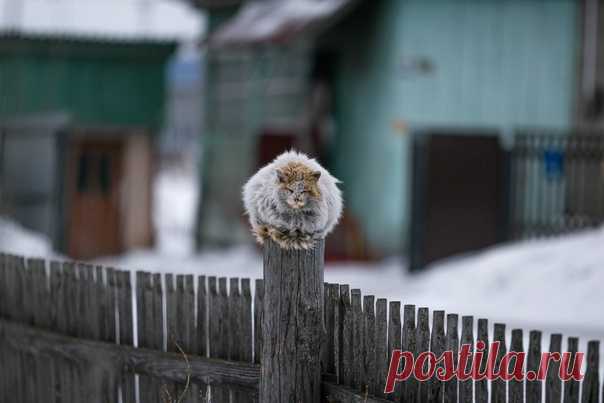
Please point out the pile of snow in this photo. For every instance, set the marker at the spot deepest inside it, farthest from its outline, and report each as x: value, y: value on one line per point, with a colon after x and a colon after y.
x: 18, y: 240
x: 175, y: 203
x: 553, y: 284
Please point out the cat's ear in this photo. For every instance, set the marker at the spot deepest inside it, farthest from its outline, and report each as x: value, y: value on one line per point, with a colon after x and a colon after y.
x: 281, y: 176
x: 316, y: 175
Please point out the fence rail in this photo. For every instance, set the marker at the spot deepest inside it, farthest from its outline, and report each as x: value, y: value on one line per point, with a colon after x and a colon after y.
x: 67, y: 335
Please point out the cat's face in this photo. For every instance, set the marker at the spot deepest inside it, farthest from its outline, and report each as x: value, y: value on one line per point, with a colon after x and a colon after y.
x: 298, y: 185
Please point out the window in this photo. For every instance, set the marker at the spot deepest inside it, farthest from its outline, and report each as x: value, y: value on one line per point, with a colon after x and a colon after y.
x: 94, y: 172
x: 84, y: 172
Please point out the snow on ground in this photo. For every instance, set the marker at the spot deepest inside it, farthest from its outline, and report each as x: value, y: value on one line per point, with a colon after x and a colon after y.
x: 550, y: 284
x: 554, y: 285
x: 17, y: 240
x: 174, y: 205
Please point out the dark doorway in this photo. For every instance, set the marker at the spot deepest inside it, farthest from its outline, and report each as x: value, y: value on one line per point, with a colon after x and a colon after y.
x: 272, y: 143
x: 458, y: 195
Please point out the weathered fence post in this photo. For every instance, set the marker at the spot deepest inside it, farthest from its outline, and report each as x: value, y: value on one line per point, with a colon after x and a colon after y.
x: 292, y: 325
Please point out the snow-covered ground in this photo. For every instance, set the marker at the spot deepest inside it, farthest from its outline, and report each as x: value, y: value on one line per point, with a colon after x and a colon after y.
x: 174, y: 204
x: 18, y: 240
x: 554, y: 285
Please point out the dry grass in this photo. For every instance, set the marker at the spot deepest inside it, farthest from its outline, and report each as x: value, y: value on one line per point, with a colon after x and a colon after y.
x: 166, y: 395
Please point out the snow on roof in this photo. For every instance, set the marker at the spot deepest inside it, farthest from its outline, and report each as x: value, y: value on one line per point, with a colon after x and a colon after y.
x: 106, y: 19
x: 273, y: 20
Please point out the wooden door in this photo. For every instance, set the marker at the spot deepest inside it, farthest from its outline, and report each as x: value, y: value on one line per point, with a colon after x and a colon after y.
x: 93, y: 210
x: 459, y: 194
x: 272, y: 143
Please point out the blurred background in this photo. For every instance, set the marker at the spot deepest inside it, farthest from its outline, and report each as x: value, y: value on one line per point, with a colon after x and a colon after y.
x: 467, y: 135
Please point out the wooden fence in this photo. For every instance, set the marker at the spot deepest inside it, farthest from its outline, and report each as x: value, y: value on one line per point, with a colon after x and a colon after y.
x: 67, y: 334
x: 556, y: 182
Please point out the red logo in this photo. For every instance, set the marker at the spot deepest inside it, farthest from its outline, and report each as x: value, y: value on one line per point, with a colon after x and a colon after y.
x: 426, y: 365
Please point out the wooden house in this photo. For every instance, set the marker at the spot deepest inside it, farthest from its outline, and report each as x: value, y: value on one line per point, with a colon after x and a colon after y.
x: 352, y: 81
x: 78, y: 119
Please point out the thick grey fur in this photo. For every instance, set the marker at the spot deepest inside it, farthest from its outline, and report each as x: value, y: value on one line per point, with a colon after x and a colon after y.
x: 271, y: 215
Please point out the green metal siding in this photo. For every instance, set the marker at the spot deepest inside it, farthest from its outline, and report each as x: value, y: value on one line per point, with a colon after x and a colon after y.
x: 96, y: 84
x: 242, y: 100
x: 496, y: 63
x: 219, y: 16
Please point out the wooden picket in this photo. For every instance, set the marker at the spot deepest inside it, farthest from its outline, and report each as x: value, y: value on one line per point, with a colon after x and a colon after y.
x: 499, y: 387
x: 481, y: 388
x: 571, y: 387
x: 381, y: 347
x: 437, y: 346
x: 410, y: 387
x: 553, y: 384
x: 394, y: 337
x: 467, y: 337
x: 452, y: 344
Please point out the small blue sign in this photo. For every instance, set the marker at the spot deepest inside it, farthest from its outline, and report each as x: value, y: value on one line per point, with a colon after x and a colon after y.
x: 553, y: 161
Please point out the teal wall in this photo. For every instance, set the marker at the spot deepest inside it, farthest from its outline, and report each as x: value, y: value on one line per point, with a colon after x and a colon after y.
x: 96, y: 83
x: 496, y: 63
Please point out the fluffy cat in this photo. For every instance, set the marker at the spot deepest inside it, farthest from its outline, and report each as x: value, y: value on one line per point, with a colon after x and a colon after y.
x: 293, y: 200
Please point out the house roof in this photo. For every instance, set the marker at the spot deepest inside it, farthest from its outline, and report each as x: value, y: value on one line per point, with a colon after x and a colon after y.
x: 65, y: 44
x: 213, y: 4
x: 75, y: 38
x: 108, y: 20
x: 271, y: 21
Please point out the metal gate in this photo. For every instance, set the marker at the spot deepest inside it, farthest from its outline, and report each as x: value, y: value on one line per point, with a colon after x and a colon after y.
x: 557, y: 182
x: 469, y: 193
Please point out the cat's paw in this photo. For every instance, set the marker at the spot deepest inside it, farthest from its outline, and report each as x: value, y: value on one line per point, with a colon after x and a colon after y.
x: 261, y: 233
x: 278, y: 236
x: 291, y: 239
x: 302, y: 243
x: 302, y: 240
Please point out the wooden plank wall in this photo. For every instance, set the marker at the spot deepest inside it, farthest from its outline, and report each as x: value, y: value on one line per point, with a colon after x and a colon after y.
x: 187, y: 315
x: 220, y: 318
